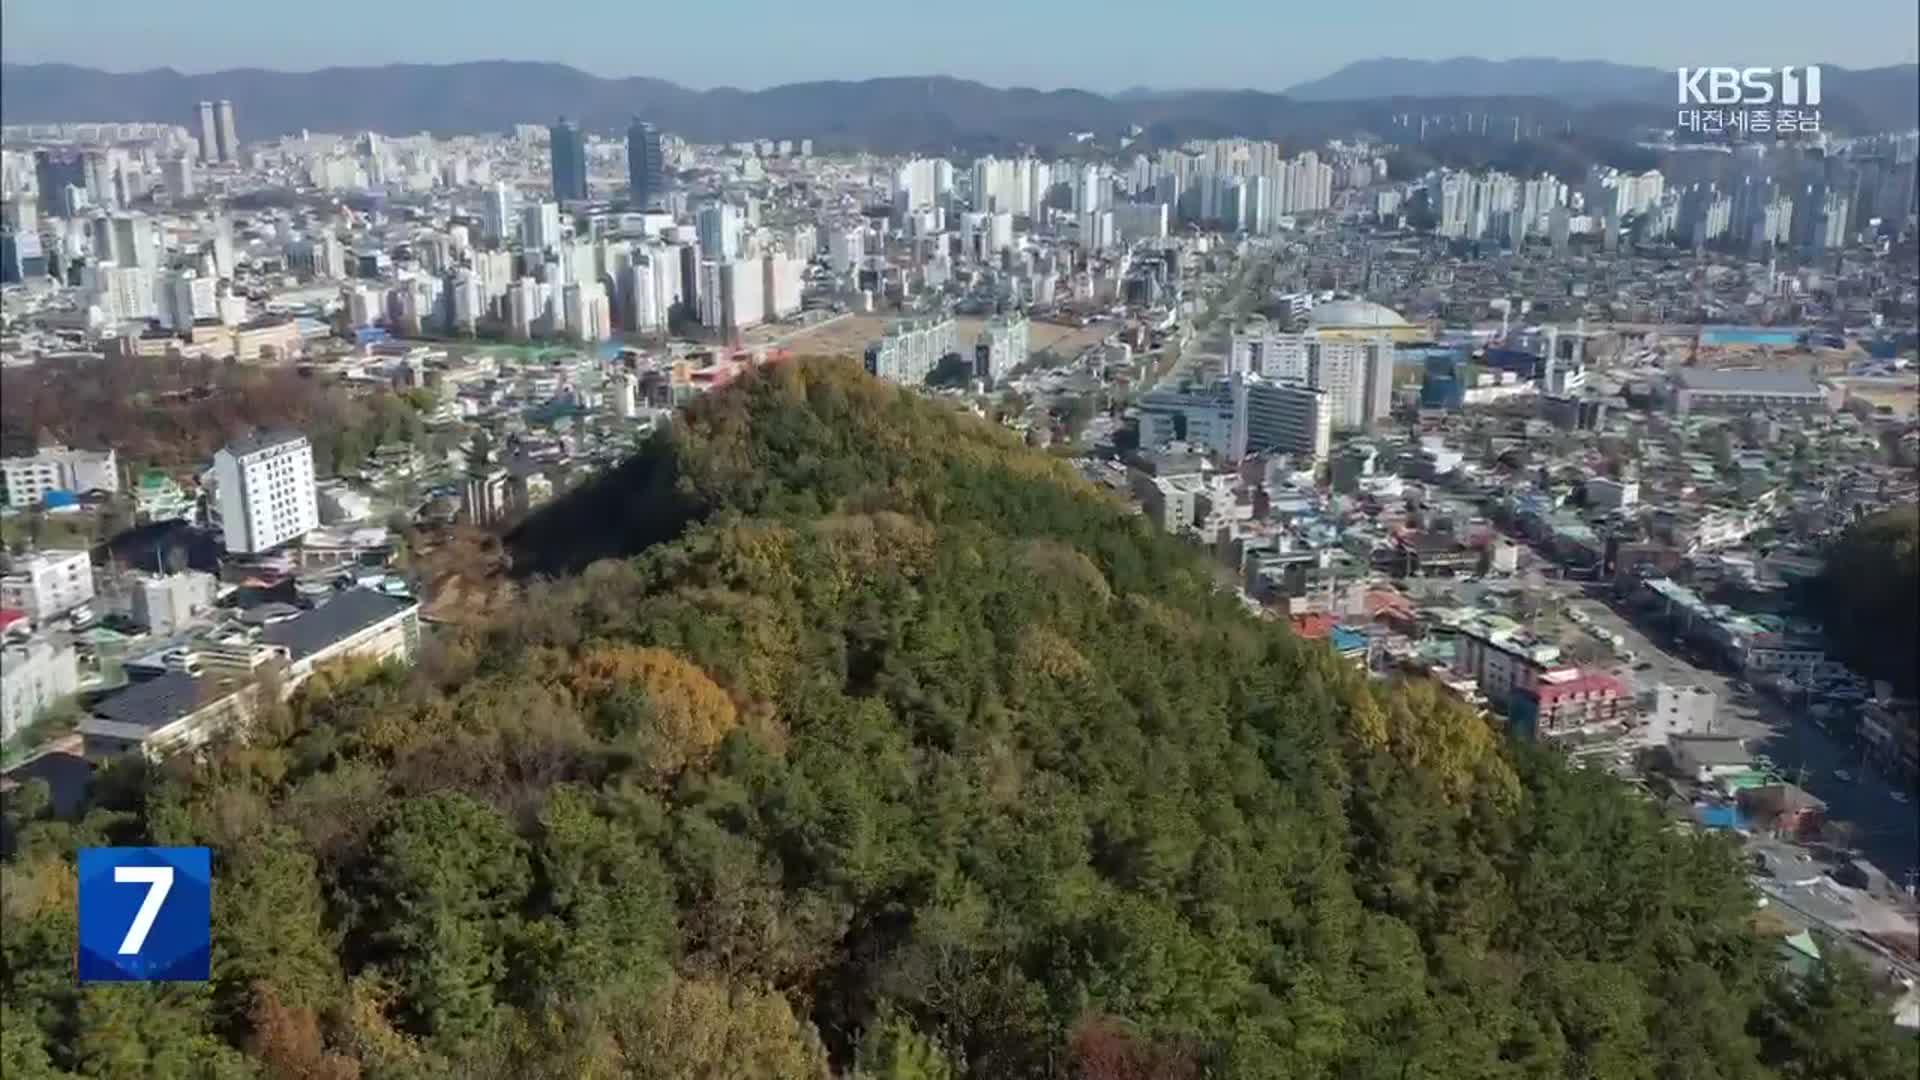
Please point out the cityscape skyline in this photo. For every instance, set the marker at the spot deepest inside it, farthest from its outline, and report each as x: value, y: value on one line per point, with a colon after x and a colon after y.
x: 810, y: 45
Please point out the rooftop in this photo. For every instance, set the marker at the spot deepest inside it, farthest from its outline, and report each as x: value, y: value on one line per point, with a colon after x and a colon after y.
x: 1746, y: 381
x: 261, y: 440
x: 154, y: 703
x: 339, y: 618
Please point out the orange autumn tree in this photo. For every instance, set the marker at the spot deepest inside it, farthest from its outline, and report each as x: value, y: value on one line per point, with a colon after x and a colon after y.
x: 665, y: 708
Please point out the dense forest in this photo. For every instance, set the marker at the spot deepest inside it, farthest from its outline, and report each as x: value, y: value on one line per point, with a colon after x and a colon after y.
x: 174, y: 412
x: 844, y: 736
x: 1865, y: 597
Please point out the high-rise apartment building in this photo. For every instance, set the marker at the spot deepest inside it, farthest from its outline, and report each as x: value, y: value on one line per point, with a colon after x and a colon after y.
x: 742, y: 299
x: 265, y: 491
x: 496, y: 213
x: 719, y: 230
x: 208, y: 133
x: 1002, y: 347
x: 910, y: 349
x: 781, y: 290
x: 229, y: 141
x: 540, y: 226
x: 568, y: 152
x: 646, y: 165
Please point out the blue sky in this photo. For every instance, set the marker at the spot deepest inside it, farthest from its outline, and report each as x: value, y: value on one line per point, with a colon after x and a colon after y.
x: 1099, y: 45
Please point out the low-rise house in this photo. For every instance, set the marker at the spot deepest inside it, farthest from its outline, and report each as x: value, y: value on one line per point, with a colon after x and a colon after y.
x: 1708, y: 757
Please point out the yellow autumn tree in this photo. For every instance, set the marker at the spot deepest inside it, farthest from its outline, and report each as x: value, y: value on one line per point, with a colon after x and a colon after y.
x: 668, y: 708
x: 695, y: 1029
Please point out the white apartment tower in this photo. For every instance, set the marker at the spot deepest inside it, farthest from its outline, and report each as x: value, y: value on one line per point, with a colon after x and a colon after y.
x: 265, y: 490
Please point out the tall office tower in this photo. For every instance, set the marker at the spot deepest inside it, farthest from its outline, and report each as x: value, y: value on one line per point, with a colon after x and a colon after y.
x: 265, y: 489
x: 719, y: 229
x: 646, y: 165
x: 209, y: 138
x: 568, y: 152
x: 540, y: 226
x: 229, y: 137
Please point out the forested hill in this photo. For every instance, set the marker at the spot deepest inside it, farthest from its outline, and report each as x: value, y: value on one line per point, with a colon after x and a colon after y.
x: 898, y: 753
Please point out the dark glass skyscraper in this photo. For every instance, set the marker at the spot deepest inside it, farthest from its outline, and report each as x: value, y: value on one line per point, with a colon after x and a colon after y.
x: 569, y: 161
x: 646, y: 164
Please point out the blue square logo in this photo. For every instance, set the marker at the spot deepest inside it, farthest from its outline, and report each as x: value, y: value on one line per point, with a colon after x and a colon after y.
x: 146, y: 914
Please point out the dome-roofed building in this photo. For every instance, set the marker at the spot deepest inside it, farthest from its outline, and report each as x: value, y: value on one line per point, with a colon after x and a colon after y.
x: 1342, y: 317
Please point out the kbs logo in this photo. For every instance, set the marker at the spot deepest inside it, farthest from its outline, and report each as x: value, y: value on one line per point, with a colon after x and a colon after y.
x: 1750, y: 86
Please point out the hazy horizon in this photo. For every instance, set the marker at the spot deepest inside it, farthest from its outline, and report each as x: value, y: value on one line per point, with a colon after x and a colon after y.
x: 1074, y: 44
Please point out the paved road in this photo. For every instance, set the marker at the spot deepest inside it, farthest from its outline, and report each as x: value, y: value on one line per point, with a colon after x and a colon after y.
x: 1887, y: 830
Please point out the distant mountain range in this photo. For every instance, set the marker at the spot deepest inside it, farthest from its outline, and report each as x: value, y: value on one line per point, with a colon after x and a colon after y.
x: 907, y: 113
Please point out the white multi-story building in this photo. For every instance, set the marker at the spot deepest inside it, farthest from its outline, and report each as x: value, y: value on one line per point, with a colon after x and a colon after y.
x: 1356, y: 370
x: 742, y: 296
x: 588, y: 317
x: 781, y: 289
x: 46, y: 584
x: 911, y: 348
x: 645, y: 312
x: 33, y: 675
x: 25, y: 481
x: 188, y: 296
x: 265, y: 492
x: 124, y: 293
x: 364, y: 305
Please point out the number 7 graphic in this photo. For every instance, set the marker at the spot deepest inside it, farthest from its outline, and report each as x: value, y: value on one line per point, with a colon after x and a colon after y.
x: 145, y: 914
x: 159, y: 882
